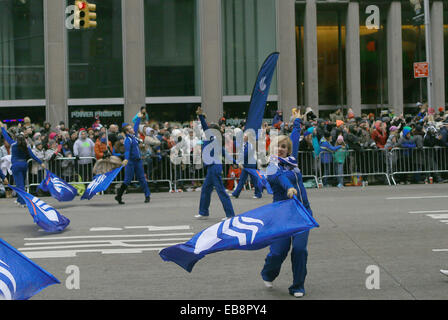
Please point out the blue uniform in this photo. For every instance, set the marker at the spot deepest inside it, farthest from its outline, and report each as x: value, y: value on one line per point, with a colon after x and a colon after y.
x: 250, y: 163
x: 135, y: 164
x: 19, y: 164
x: 213, y: 179
x: 281, y: 177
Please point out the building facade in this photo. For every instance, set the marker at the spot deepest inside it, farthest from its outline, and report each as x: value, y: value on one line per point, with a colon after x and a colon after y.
x: 173, y: 55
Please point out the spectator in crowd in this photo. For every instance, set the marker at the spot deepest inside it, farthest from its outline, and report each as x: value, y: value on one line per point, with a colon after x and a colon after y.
x: 84, y: 151
x: 103, y: 148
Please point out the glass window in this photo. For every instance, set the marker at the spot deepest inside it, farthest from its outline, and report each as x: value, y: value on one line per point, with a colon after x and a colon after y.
x: 22, y: 73
x: 300, y: 54
x: 331, y: 54
x: 96, y: 55
x: 179, y: 112
x: 12, y: 116
x: 249, y: 36
x: 373, y: 56
x: 239, y: 110
x: 172, y: 48
x: 415, y: 90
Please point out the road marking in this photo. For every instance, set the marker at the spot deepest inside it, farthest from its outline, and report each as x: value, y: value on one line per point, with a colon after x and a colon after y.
x: 71, y: 246
x: 439, y: 250
x: 108, y: 236
x: 105, y: 229
x: 426, y: 197
x: 95, y: 241
x: 438, y: 216
x: 434, y: 211
x: 154, y: 228
x: 73, y: 253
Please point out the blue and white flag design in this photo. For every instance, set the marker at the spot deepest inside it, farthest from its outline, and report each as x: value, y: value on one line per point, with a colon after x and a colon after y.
x: 252, y: 230
x: 46, y: 217
x: 20, y: 278
x: 58, y: 188
x: 261, y: 179
x: 260, y: 93
x: 100, y: 183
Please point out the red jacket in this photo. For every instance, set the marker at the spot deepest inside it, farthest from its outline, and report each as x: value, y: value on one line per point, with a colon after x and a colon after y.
x: 380, y: 138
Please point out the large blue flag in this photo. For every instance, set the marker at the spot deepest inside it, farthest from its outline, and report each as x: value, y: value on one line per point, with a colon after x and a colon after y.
x: 58, y: 188
x: 252, y: 230
x: 260, y: 93
x: 261, y: 179
x: 100, y: 183
x: 20, y: 278
x: 44, y: 216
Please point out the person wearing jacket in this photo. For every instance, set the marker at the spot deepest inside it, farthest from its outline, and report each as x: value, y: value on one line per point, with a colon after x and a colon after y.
x: 407, y: 143
x: 103, y: 148
x: 20, y: 153
x: 379, y: 134
x: 286, y: 182
x: 326, y: 156
x: 213, y: 176
x: 133, y: 162
x: 84, y: 148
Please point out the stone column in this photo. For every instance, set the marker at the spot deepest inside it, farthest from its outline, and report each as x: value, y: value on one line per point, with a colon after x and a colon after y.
x: 310, y: 59
x: 353, y: 62
x: 438, y: 65
x: 286, y: 68
x: 56, y: 67
x: 134, y: 66
x: 395, y: 58
x: 211, y: 58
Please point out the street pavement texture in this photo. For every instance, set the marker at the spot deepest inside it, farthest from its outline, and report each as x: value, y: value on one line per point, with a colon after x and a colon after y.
x: 401, y: 231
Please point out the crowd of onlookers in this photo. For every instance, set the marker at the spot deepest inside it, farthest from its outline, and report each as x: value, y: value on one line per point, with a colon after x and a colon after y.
x: 76, y: 146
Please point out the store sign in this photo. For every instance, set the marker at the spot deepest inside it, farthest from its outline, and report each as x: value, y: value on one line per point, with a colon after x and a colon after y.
x: 86, y: 115
x: 421, y: 70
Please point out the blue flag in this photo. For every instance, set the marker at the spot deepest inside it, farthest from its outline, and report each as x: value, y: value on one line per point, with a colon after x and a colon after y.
x: 260, y: 93
x: 261, y: 179
x: 20, y: 278
x: 44, y: 216
x: 58, y: 188
x: 252, y: 230
x: 100, y: 183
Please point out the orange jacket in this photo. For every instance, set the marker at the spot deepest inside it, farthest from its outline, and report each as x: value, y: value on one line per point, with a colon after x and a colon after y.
x: 100, y: 148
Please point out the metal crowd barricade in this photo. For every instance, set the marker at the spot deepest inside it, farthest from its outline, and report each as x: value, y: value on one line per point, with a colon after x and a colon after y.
x: 370, y: 162
x: 308, y: 165
x: 418, y: 161
x: 69, y: 169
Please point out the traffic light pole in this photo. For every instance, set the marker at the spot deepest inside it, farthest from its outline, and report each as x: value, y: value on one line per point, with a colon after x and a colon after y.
x: 428, y: 50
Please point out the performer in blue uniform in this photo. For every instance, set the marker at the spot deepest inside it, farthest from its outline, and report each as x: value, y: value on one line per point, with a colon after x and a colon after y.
x: 250, y: 163
x: 213, y: 177
x: 3, y: 179
x: 133, y: 162
x: 286, y: 182
x: 20, y: 153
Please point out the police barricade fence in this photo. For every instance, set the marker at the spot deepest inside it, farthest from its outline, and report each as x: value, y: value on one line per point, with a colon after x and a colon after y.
x: 418, y: 164
x: 72, y: 170
x: 354, y: 164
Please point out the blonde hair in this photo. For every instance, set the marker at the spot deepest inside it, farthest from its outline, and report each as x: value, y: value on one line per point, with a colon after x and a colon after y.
x: 276, y: 141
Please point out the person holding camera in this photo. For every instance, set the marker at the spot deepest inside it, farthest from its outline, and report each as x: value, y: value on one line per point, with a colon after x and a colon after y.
x: 143, y: 114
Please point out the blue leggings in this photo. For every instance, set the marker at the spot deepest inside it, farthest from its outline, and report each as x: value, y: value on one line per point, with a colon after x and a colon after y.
x: 213, y: 179
x: 135, y: 167
x: 19, y: 173
x: 242, y: 181
x: 299, y: 256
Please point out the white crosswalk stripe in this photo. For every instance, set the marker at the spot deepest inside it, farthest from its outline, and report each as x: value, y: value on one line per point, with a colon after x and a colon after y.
x: 71, y: 246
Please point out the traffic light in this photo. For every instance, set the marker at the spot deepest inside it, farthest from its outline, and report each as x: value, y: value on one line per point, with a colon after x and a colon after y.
x: 85, y: 16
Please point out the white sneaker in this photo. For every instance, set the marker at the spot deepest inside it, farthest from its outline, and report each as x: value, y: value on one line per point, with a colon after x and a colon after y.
x: 268, y: 284
x: 255, y: 197
x: 298, y: 294
x: 445, y: 272
x: 201, y: 217
x: 197, y: 189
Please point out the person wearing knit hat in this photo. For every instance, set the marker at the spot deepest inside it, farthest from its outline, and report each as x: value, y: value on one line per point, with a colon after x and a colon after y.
x: 407, y: 131
x: 339, y: 159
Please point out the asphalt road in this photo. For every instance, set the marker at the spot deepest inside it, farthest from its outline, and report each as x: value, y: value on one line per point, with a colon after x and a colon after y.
x: 399, y: 231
